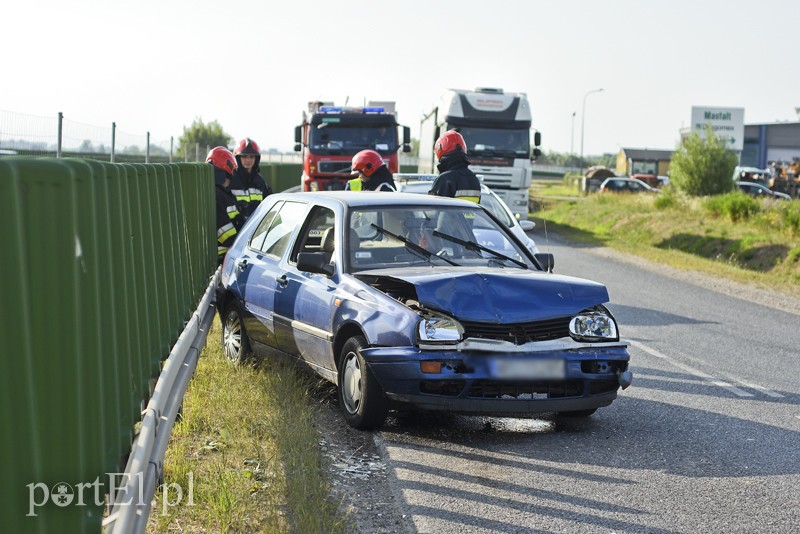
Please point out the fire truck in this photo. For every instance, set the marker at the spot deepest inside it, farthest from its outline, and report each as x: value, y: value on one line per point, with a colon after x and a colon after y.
x: 330, y: 136
x: 496, y: 127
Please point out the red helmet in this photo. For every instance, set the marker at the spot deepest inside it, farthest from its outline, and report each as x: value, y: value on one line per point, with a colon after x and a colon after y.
x: 221, y: 158
x: 247, y: 146
x: 448, y: 142
x: 366, y: 162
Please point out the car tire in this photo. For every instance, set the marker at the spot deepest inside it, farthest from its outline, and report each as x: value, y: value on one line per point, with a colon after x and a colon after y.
x: 578, y: 413
x: 235, y: 344
x: 361, y: 397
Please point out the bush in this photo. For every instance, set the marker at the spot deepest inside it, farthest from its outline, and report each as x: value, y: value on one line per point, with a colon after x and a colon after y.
x: 703, y: 166
x: 737, y: 206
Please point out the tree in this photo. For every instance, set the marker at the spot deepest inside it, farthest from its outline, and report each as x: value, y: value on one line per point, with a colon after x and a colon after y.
x: 205, y: 135
x: 703, y: 166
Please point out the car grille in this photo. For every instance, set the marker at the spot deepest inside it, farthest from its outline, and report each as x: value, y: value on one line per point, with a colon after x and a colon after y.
x: 519, y: 333
x: 342, y: 167
x: 492, y: 389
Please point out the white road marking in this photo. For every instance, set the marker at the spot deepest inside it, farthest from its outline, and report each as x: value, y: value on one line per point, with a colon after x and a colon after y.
x: 697, y: 372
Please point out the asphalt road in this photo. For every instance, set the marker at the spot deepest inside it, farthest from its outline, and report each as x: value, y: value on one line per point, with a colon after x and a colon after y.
x: 706, y: 440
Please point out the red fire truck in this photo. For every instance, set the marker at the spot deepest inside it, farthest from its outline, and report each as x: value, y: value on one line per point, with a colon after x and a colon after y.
x: 331, y: 135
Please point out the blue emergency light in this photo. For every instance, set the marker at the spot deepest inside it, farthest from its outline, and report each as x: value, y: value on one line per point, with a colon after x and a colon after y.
x: 374, y: 110
x: 330, y: 109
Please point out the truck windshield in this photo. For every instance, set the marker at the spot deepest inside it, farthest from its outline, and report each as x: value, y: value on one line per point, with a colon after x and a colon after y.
x: 495, y: 142
x: 340, y: 139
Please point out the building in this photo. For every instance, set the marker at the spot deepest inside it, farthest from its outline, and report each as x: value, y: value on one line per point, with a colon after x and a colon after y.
x: 632, y: 161
x: 768, y: 142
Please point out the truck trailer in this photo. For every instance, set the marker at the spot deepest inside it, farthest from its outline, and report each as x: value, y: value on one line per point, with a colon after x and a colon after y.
x: 329, y: 136
x: 497, y: 129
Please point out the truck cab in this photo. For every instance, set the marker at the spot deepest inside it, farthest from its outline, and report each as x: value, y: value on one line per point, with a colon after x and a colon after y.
x: 329, y: 136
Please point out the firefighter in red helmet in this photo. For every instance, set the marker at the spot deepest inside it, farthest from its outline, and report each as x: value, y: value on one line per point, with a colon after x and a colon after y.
x: 248, y: 186
x: 371, y: 173
x: 229, y: 220
x: 455, y: 180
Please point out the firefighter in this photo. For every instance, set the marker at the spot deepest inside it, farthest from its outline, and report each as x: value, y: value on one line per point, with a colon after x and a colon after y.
x: 371, y: 173
x: 455, y: 180
x: 229, y: 220
x: 248, y: 186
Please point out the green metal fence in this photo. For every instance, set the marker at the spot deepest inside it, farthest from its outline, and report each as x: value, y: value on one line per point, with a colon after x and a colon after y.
x: 102, y: 264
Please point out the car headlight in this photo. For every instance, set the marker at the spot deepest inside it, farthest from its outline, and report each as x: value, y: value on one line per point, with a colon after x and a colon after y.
x: 594, y: 324
x: 439, y: 330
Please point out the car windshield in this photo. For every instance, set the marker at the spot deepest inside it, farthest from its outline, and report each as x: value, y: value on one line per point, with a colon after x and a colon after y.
x: 336, y: 138
x: 390, y: 237
x: 494, y: 142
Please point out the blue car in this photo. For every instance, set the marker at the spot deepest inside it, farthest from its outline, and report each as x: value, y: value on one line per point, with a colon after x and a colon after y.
x: 418, y: 301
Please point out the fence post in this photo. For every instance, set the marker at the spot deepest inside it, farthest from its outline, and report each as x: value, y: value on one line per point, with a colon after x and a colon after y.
x: 171, y: 140
x: 147, y: 149
x: 60, y: 124
x: 197, y: 151
x: 113, y: 141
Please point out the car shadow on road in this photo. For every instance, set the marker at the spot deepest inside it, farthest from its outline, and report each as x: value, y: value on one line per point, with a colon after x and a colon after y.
x: 638, y: 316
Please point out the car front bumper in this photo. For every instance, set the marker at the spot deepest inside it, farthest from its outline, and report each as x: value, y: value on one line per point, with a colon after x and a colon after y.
x: 471, y: 382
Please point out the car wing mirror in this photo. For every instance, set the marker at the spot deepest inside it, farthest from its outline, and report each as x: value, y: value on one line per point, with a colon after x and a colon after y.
x: 526, y: 225
x: 546, y: 260
x: 314, y: 262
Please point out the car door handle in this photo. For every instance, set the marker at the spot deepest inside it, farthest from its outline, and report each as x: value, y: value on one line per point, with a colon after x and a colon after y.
x: 282, y: 280
x: 241, y: 264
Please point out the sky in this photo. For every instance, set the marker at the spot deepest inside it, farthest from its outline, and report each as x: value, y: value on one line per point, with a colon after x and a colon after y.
x: 157, y: 65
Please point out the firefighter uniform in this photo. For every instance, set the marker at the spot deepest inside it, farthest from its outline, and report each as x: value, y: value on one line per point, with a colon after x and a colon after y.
x: 455, y: 179
x: 250, y: 189
x: 229, y: 220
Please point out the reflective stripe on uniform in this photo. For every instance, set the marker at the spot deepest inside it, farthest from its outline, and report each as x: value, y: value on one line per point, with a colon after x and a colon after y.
x: 469, y: 194
x: 233, y: 211
x: 355, y: 184
x: 240, y: 194
x: 256, y: 194
x: 225, y: 232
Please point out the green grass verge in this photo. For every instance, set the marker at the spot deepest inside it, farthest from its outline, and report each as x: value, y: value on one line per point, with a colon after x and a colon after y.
x: 247, y: 447
x: 729, y: 236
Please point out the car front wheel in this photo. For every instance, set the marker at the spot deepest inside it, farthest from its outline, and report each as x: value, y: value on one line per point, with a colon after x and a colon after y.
x: 235, y: 344
x: 361, y: 398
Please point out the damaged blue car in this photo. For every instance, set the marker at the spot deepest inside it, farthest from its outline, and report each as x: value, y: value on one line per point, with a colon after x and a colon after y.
x: 419, y: 301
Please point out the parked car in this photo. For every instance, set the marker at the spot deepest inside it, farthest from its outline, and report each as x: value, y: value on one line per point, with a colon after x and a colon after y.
x: 415, y: 300
x: 619, y: 184
x: 760, y: 191
x: 421, y: 183
x: 752, y: 175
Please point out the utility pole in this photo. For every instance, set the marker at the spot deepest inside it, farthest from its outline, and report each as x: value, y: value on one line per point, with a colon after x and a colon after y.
x: 583, y: 115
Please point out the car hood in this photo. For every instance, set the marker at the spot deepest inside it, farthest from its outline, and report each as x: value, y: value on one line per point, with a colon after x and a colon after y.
x: 490, y: 295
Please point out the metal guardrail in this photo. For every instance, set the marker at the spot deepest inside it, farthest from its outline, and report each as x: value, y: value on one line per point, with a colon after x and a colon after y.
x: 145, y: 467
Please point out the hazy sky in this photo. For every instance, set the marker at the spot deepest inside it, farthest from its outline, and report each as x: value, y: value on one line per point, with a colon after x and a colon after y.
x: 156, y: 65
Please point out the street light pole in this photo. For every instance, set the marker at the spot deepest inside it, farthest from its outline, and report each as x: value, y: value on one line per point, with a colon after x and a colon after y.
x: 583, y: 115
x: 572, y: 136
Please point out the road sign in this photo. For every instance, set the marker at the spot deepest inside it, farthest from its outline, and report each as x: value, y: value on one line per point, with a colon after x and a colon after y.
x: 727, y: 123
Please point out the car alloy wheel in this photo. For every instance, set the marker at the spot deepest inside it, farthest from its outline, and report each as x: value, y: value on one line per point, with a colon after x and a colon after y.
x: 235, y: 344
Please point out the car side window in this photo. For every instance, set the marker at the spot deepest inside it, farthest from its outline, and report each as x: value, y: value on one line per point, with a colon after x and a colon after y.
x: 280, y: 229
x: 317, y: 235
x: 257, y: 241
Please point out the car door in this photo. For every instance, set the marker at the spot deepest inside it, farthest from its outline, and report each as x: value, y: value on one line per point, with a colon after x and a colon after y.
x: 266, y: 250
x: 304, y: 301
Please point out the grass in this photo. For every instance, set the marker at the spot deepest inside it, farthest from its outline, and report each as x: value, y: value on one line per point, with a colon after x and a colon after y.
x: 728, y: 236
x: 247, y: 448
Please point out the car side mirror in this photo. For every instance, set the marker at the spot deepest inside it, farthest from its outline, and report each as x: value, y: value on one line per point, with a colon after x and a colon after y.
x: 546, y: 260
x: 526, y: 225
x: 314, y: 262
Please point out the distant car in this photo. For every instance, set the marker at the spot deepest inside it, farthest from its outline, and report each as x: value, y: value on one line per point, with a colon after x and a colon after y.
x: 760, y: 191
x: 619, y: 184
x: 752, y: 175
x: 419, y: 301
x: 421, y: 183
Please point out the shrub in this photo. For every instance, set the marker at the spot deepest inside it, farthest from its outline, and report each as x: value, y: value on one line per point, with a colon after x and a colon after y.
x: 703, y: 166
x: 737, y: 206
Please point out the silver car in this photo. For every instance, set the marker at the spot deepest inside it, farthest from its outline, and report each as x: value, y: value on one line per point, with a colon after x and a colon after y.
x: 421, y: 183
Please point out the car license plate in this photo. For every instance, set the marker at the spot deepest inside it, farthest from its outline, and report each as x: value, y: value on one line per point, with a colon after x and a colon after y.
x: 513, y: 368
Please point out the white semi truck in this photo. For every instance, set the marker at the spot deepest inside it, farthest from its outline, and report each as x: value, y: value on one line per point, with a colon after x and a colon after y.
x: 497, y: 129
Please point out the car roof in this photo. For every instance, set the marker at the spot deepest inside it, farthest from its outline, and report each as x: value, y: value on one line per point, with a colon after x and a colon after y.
x: 357, y: 199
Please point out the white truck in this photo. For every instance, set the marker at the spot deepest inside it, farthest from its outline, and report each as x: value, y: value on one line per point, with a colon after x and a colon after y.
x: 497, y: 129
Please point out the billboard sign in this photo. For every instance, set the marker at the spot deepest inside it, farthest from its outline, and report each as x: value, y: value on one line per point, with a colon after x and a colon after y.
x: 727, y: 124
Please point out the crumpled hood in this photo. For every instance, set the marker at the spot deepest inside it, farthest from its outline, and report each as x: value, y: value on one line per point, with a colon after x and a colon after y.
x: 498, y: 295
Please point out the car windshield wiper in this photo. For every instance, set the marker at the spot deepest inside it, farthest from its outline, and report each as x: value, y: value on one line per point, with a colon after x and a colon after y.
x: 472, y: 245
x: 427, y: 254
